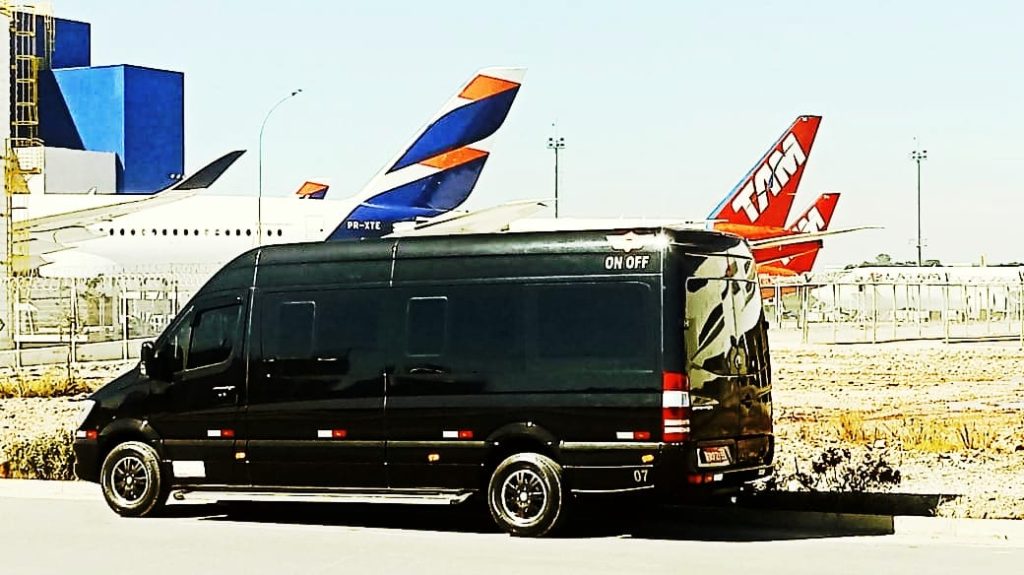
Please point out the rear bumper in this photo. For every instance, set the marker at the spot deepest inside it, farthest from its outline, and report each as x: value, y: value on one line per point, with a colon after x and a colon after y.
x: 666, y: 469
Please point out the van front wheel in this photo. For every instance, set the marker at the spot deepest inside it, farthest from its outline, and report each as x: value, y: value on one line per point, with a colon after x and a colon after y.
x: 132, y: 481
x: 525, y: 494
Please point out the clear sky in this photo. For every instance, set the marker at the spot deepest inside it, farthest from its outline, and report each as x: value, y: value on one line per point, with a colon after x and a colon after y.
x: 663, y: 105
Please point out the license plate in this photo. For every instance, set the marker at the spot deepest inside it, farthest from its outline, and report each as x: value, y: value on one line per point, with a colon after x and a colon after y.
x: 716, y: 456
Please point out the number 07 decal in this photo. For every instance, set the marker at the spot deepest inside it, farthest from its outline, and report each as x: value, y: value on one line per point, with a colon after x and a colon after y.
x: 640, y: 475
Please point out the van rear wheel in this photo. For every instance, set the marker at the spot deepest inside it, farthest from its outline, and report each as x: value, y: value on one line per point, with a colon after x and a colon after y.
x: 132, y: 480
x: 525, y: 494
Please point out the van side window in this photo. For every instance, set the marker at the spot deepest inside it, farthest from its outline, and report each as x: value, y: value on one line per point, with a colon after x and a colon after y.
x: 426, y: 326
x: 213, y: 335
x: 292, y: 333
x: 319, y: 344
x: 171, y: 353
x: 486, y: 327
x: 600, y: 323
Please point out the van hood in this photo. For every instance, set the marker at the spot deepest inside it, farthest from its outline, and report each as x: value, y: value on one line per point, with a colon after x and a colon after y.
x: 119, y: 384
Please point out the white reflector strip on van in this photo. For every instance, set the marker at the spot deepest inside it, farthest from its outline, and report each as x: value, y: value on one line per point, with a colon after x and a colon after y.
x: 323, y: 433
x: 677, y: 429
x: 675, y: 399
x: 446, y: 434
x: 623, y: 435
x: 185, y: 469
x: 677, y: 423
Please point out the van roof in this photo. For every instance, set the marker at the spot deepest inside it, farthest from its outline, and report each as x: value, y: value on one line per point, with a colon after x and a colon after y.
x: 552, y: 242
x: 239, y: 272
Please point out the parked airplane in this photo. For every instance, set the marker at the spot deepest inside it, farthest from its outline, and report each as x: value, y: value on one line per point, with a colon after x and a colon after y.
x: 757, y: 208
x: 798, y: 258
x: 431, y: 176
x: 764, y: 197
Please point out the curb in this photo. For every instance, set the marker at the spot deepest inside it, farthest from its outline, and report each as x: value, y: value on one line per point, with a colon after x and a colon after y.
x: 995, y: 530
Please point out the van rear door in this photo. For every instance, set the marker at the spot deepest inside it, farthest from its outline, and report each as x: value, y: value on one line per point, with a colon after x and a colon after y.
x: 728, y: 366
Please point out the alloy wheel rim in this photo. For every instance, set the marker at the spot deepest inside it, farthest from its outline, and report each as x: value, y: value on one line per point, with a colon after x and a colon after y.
x: 524, y: 496
x: 129, y: 480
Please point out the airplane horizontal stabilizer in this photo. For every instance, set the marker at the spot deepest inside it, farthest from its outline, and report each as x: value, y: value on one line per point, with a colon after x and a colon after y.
x: 797, y: 238
x: 488, y: 220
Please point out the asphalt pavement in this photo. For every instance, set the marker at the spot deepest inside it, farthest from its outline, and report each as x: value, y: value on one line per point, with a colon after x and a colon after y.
x: 63, y: 530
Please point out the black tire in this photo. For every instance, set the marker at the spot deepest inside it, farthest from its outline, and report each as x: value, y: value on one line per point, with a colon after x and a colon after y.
x: 525, y: 495
x: 133, y: 481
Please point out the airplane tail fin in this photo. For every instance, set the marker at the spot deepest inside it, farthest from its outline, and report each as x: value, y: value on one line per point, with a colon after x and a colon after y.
x: 799, y: 258
x: 311, y: 190
x: 439, y: 168
x: 765, y: 195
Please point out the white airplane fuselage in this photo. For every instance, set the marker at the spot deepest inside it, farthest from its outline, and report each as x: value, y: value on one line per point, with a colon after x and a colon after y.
x: 203, y: 230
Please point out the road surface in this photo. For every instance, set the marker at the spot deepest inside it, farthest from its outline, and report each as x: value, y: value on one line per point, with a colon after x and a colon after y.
x: 80, y: 535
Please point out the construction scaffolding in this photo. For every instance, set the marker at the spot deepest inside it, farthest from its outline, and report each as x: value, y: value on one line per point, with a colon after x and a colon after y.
x: 29, y: 56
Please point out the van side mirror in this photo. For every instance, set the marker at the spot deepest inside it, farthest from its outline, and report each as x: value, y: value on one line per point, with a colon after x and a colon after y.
x: 150, y: 365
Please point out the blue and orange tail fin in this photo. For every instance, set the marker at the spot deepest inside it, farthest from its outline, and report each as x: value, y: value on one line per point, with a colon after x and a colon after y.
x: 764, y: 197
x: 311, y: 190
x: 438, y: 170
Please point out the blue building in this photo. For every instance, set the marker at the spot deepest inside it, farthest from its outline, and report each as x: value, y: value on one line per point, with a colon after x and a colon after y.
x: 135, y: 112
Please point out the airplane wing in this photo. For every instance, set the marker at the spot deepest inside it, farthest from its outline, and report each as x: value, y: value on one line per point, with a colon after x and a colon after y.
x: 487, y: 220
x: 53, y: 232
x: 798, y: 238
x: 190, y: 186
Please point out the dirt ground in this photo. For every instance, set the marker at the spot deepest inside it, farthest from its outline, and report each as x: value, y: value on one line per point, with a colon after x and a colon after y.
x: 950, y: 418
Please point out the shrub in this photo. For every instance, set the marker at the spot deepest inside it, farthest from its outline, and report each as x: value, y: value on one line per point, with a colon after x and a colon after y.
x: 836, y: 470
x: 43, y: 457
x: 51, y: 383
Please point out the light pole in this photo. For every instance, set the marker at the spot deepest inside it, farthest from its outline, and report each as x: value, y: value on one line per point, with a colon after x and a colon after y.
x: 259, y: 161
x: 556, y: 143
x: 919, y: 156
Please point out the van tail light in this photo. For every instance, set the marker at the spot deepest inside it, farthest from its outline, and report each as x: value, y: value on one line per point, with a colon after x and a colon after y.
x: 675, y: 407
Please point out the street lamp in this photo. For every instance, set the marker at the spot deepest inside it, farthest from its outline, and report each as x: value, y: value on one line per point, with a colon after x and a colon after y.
x: 259, y: 196
x: 919, y: 156
x: 556, y: 143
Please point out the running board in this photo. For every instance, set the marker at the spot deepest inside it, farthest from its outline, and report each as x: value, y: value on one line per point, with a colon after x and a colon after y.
x: 414, y: 497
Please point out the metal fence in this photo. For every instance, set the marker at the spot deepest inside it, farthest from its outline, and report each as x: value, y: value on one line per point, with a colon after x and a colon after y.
x: 50, y: 320
x: 882, y: 311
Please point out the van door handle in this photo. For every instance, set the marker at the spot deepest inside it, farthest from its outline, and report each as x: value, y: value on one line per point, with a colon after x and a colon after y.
x: 422, y: 370
x: 223, y: 390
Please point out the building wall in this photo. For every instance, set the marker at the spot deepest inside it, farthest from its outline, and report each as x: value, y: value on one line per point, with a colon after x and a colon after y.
x: 154, y: 128
x: 137, y: 113
x: 72, y: 44
x: 78, y: 172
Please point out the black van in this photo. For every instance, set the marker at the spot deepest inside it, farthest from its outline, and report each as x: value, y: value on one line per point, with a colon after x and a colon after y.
x: 528, y: 367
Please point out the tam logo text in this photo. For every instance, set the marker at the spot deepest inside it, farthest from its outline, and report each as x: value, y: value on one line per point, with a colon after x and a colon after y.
x: 770, y: 178
x: 811, y: 222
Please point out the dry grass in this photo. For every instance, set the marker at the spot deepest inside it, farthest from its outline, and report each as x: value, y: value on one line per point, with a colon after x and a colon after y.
x: 935, y: 433
x: 55, y: 382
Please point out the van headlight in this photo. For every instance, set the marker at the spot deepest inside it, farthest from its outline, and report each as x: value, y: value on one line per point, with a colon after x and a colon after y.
x: 85, y: 408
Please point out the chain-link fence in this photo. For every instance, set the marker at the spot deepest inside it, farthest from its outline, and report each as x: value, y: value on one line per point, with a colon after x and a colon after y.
x: 874, y: 311
x: 52, y: 320
x: 65, y: 320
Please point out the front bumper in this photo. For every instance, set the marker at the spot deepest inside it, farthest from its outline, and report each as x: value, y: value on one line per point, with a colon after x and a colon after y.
x: 87, y: 464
